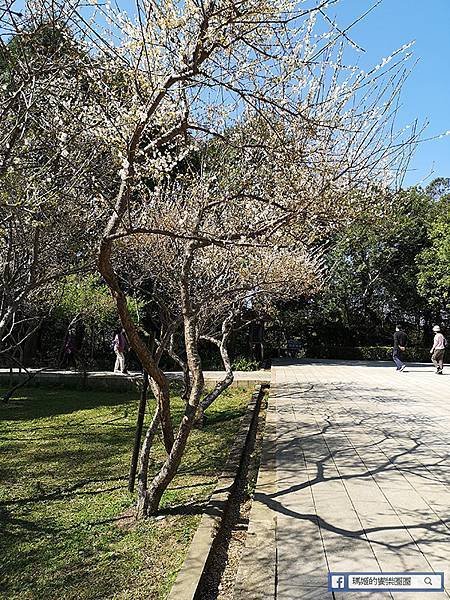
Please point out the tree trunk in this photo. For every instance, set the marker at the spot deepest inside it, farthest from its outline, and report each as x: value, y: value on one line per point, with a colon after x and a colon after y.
x: 186, y: 373
x: 105, y: 266
x: 144, y: 460
x: 221, y: 386
x: 137, y: 344
x: 138, y: 434
x: 170, y: 467
x: 4, y: 322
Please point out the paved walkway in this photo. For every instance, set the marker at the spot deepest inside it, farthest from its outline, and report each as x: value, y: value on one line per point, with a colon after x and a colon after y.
x: 359, y: 480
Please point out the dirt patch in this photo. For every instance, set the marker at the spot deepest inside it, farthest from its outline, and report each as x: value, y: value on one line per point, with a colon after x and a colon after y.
x: 127, y: 520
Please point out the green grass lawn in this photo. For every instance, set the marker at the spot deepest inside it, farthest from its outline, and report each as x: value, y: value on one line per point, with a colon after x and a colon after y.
x: 64, y: 530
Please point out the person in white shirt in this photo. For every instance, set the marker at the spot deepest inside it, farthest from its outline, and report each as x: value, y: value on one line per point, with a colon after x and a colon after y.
x: 119, y: 346
x: 438, y: 350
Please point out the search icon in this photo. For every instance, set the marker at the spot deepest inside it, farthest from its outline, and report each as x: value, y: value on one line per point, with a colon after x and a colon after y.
x: 428, y: 581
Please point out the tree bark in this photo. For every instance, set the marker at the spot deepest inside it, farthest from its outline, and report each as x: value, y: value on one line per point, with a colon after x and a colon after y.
x: 137, y: 344
x: 138, y: 434
x: 4, y: 322
x: 185, y: 369
x: 221, y: 386
x: 170, y: 467
x: 144, y: 460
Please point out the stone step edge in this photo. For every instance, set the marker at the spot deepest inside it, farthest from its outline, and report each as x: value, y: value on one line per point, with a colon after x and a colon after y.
x: 189, y: 576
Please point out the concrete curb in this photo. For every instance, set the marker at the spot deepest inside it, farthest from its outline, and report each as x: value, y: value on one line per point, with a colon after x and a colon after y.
x: 189, y: 576
x: 117, y: 382
x: 260, y: 546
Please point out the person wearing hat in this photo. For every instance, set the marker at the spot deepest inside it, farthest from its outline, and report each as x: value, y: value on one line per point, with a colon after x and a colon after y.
x: 438, y: 350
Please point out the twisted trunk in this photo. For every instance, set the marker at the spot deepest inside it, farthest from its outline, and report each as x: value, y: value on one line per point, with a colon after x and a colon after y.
x: 221, y: 386
x: 144, y: 460
x: 136, y: 342
x: 170, y: 467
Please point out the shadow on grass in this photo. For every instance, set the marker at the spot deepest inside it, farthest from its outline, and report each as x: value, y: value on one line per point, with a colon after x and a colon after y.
x: 65, y: 496
x: 188, y: 508
x: 72, y: 490
x: 43, y: 403
x: 214, y: 418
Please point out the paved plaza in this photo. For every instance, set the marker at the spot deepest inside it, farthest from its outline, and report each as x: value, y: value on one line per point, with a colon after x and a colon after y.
x: 354, y: 477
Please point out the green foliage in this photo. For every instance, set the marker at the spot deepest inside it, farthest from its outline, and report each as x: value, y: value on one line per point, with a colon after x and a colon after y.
x: 382, y: 269
x: 438, y: 188
x: 372, y: 278
x: 374, y: 260
x: 366, y: 353
x: 65, y: 521
x: 434, y: 262
x: 241, y: 363
x: 88, y: 297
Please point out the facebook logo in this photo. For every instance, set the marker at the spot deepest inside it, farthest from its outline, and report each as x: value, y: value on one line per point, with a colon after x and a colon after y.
x: 336, y: 582
x: 416, y: 582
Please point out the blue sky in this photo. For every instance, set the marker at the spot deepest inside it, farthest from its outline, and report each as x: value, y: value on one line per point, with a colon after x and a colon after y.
x: 426, y: 94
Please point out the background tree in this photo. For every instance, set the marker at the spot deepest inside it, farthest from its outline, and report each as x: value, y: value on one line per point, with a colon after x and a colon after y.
x: 306, y: 130
x: 315, y: 137
x: 382, y: 269
x: 46, y: 188
x: 434, y: 262
x: 373, y: 273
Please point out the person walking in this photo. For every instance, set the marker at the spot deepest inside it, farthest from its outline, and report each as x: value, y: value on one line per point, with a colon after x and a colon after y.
x: 400, y: 340
x: 69, y: 360
x: 119, y: 345
x: 438, y: 350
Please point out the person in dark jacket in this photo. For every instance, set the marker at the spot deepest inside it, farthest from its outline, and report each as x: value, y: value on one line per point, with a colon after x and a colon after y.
x: 120, y: 345
x: 69, y: 357
x: 400, y: 340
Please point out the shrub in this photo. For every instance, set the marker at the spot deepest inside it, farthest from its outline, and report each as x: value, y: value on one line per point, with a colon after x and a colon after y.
x: 245, y: 364
x: 366, y: 353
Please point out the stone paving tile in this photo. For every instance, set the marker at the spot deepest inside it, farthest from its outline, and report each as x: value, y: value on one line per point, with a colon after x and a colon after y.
x: 421, y: 596
x: 287, y: 591
x: 364, y: 490
x: 307, y: 570
x: 360, y: 595
x: 371, y: 449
